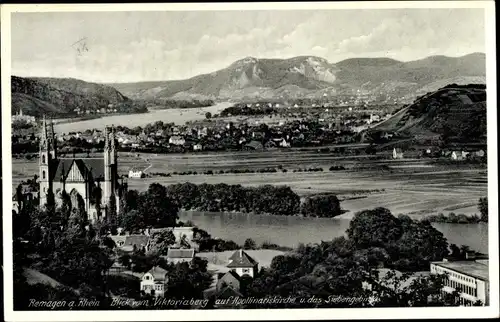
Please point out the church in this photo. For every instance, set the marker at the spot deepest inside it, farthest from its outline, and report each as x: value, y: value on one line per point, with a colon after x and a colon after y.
x: 91, y: 181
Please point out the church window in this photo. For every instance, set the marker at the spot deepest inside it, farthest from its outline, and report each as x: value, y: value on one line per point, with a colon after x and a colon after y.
x: 43, y: 174
x: 43, y: 158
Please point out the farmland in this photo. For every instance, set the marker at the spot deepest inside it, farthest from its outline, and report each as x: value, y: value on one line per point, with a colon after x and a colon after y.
x: 411, y: 186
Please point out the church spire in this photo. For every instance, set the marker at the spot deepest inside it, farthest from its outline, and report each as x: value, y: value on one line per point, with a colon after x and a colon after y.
x: 53, y: 146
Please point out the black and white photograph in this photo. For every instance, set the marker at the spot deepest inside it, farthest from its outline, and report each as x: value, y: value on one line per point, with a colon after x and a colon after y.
x: 231, y: 160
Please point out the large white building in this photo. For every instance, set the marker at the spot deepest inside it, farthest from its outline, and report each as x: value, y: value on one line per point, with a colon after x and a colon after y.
x: 470, y: 278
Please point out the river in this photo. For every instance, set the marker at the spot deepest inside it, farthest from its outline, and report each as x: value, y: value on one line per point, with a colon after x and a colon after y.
x: 290, y: 231
x: 176, y: 115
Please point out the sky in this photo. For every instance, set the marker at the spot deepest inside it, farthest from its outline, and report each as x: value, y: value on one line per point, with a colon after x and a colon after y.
x: 146, y: 46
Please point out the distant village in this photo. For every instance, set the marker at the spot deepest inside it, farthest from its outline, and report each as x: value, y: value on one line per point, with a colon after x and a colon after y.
x: 293, y: 127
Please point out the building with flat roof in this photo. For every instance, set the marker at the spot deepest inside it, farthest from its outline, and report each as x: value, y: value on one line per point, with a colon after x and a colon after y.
x: 470, y: 278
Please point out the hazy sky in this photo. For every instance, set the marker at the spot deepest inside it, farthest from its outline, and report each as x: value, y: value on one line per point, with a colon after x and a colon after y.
x: 139, y: 46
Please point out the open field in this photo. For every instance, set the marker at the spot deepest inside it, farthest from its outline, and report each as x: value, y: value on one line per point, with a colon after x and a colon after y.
x: 414, y: 187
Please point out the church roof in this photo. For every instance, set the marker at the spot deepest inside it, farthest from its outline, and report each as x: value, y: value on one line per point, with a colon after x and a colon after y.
x: 94, y: 165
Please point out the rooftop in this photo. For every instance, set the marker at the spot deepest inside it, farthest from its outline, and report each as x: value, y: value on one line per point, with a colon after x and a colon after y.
x: 241, y: 259
x: 472, y: 268
x: 180, y: 253
x: 159, y: 274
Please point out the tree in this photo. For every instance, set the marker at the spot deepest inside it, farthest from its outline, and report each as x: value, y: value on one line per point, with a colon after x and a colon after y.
x: 188, y: 280
x: 483, y: 208
x: 156, y: 208
x: 321, y: 206
x: 161, y: 241
x: 249, y: 244
x: 372, y: 228
x: 208, y: 115
x: 132, y: 221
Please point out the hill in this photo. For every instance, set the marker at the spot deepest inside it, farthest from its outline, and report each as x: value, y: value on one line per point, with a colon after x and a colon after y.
x: 454, y: 112
x: 63, y: 97
x: 380, y: 79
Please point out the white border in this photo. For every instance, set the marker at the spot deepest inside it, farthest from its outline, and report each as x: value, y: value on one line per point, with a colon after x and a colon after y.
x: 276, y: 314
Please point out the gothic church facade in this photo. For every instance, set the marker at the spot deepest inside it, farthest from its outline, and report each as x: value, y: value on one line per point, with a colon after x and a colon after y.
x: 89, y: 182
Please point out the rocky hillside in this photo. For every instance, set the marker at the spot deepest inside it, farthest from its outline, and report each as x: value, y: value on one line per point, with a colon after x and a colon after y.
x: 380, y: 79
x: 454, y: 112
x: 60, y: 97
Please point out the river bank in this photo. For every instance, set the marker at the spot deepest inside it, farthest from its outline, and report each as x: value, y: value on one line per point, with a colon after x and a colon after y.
x: 290, y: 231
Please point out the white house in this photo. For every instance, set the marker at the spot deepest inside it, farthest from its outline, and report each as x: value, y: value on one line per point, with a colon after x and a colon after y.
x: 154, y: 281
x: 197, y: 147
x: 470, y: 278
x: 135, y: 173
x: 397, y: 153
x: 284, y: 144
x: 243, y: 264
x: 459, y: 155
x: 176, y: 140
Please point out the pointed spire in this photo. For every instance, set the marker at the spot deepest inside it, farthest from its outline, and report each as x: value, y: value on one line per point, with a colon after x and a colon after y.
x: 44, y: 128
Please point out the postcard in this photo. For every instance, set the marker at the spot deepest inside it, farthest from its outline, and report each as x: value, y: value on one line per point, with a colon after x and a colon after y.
x: 249, y: 161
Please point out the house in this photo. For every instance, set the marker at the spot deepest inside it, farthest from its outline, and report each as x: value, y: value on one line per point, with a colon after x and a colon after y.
x: 397, y: 153
x: 116, y: 268
x: 135, y: 173
x: 470, y: 278
x: 176, y: 140
x: 243, y: 264
x: 459, y: 155
x: 154, y: 281
x: 285, y: 144
x: 197, y: 147
x: 15, y: 203
x: 231, y: 279
x: 178, y: 255
x: 254, y: 145
x: 183, y: 236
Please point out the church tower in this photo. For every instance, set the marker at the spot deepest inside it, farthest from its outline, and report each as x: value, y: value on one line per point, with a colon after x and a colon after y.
x: 45, y: 159
x: 110, y: 166
x: 53, y: 150
x: 107, y: 168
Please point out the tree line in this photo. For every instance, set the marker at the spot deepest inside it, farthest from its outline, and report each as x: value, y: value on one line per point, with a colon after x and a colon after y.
x: 348, y: 266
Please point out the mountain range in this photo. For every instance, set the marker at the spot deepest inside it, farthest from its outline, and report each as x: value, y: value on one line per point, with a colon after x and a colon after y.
x: 382, y: 79
x: 314, y: 77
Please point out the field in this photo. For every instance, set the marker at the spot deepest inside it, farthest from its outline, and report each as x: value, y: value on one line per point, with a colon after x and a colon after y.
x: 414, y: 187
